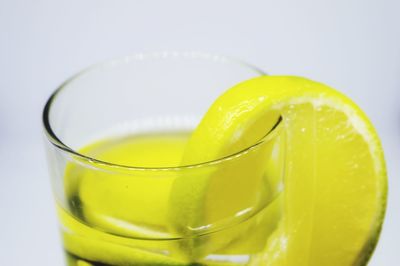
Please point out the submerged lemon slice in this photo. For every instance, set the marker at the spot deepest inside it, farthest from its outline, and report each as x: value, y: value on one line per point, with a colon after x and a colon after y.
x: 335, y: 183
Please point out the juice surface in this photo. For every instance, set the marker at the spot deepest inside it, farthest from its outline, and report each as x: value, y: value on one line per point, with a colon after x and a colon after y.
x: 142, y: 150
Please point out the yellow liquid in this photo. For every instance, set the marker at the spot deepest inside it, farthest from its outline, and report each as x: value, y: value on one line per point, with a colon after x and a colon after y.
x: 123, y: 218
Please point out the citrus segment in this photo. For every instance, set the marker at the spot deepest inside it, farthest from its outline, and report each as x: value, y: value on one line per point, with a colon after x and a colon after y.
x: 335, y: 182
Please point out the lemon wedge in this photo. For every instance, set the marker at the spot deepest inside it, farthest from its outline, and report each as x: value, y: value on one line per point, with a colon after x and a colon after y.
x: 335, y: 182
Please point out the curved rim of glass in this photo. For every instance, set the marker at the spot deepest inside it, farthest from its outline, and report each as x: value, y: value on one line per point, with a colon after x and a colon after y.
x: 56, y: 141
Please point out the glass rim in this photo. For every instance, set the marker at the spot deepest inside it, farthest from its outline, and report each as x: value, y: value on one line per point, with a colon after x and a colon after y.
x: 93, y: 162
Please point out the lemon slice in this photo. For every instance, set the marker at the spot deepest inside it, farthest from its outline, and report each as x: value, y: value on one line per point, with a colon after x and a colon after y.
x: 131, y: 203
x: 335, y: 183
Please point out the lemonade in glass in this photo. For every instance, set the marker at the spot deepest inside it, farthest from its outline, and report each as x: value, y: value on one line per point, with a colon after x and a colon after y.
x: 279, y: 171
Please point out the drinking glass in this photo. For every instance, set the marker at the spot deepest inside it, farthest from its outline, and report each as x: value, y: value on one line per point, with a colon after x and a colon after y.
x: 116, y: 213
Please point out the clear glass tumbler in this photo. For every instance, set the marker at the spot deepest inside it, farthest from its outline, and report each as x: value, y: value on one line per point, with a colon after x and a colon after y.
x: 143, y: 207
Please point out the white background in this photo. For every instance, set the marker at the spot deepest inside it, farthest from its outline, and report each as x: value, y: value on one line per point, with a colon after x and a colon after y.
x: 351, y: 45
